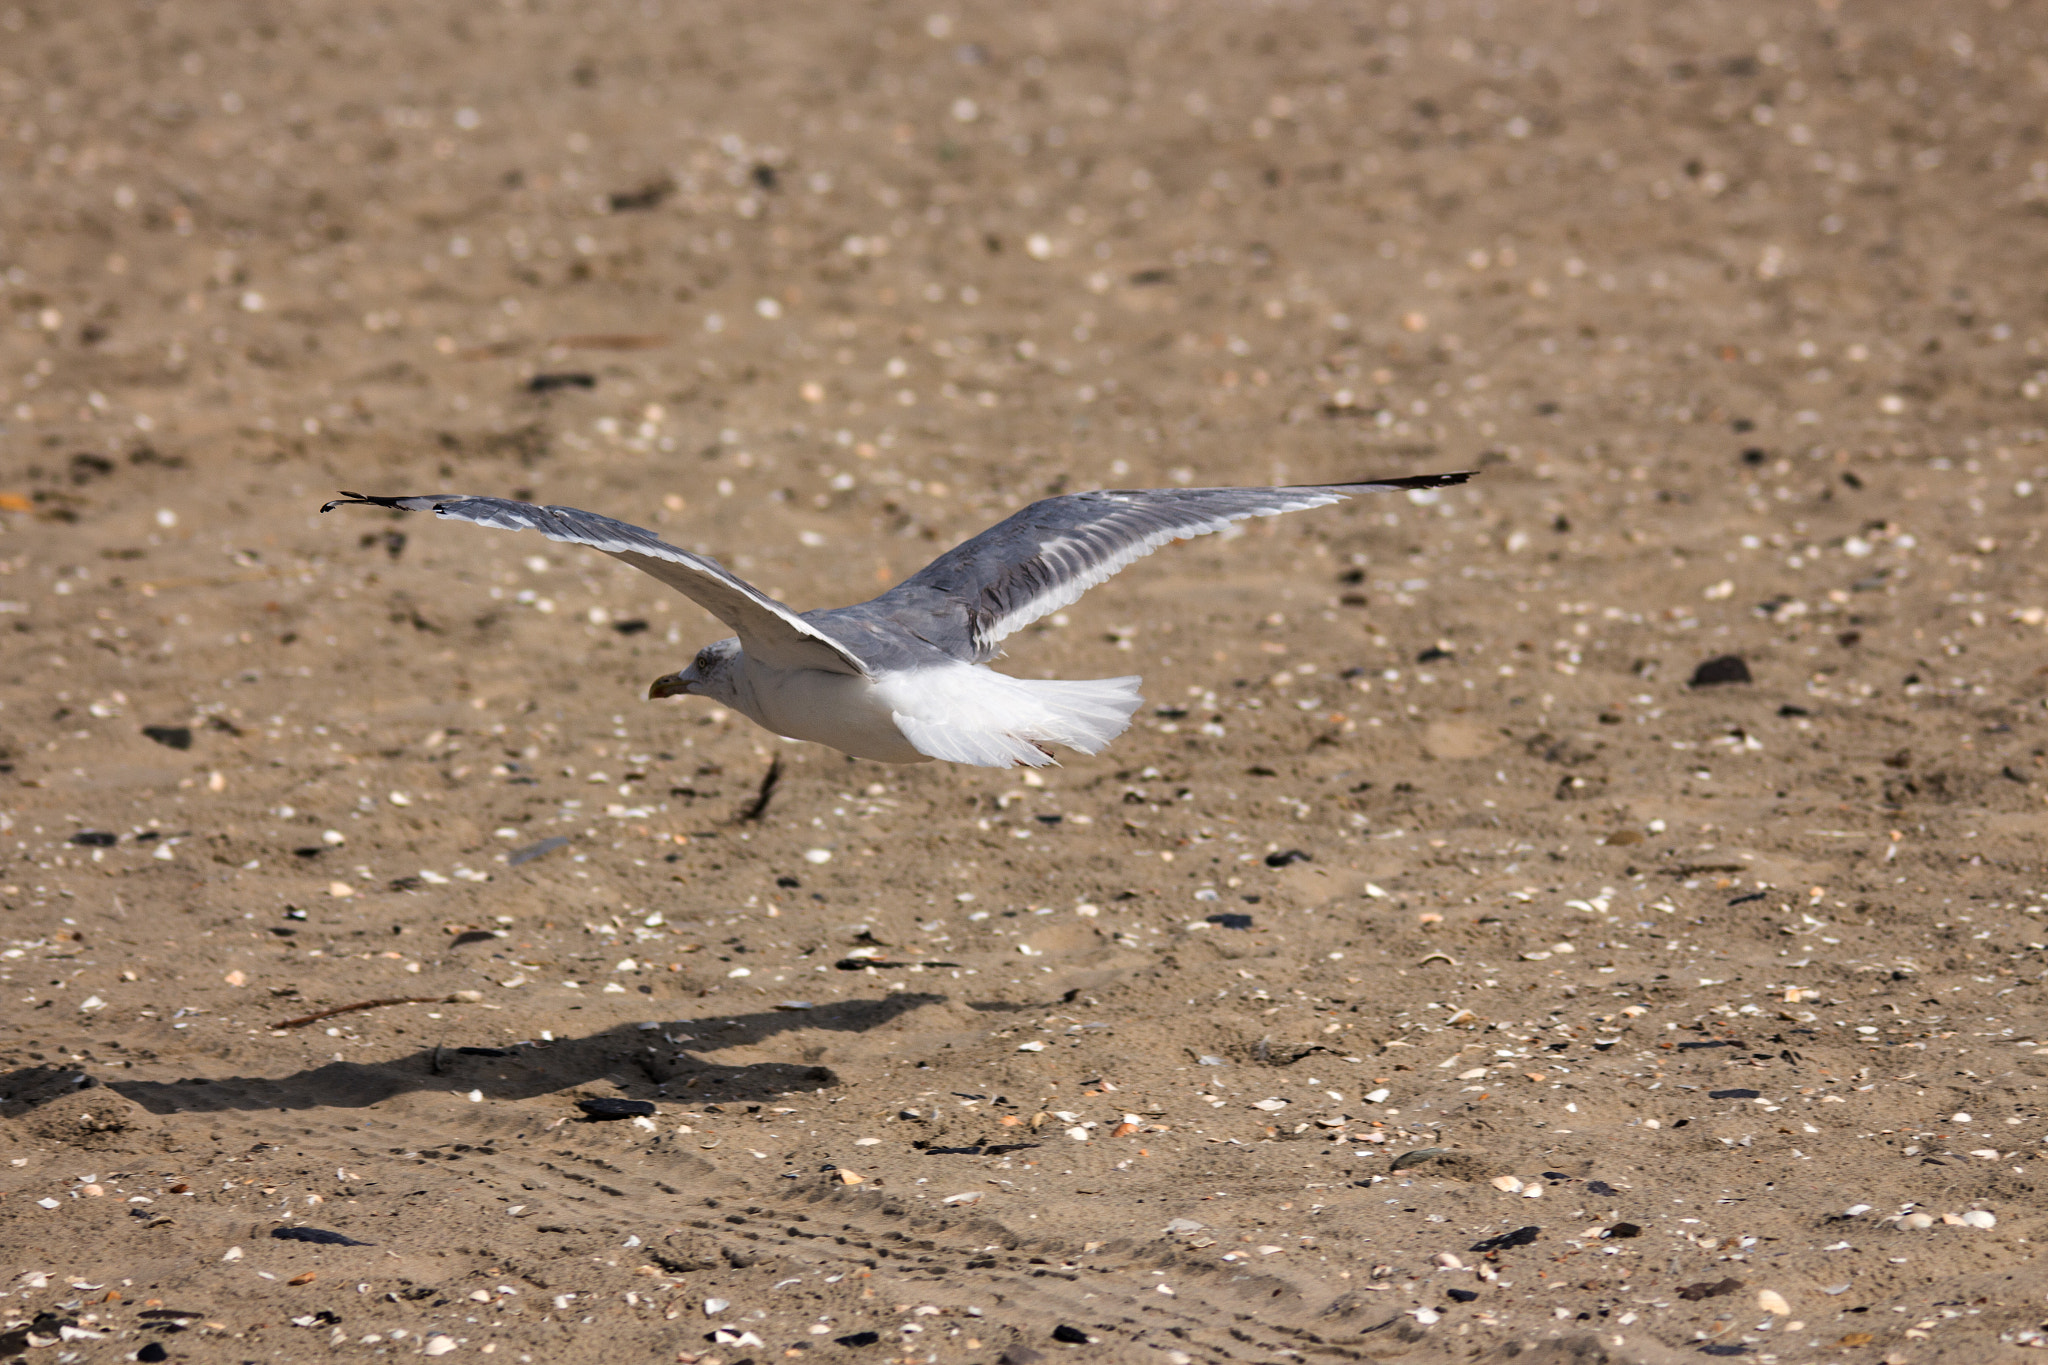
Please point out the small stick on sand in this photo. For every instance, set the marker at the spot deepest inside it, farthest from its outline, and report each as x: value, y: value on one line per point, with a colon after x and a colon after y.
x: 370, y: 1005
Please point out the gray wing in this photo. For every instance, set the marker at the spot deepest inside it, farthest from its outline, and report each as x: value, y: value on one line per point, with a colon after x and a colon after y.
x: 1044, y: 557
x: 768, y: 630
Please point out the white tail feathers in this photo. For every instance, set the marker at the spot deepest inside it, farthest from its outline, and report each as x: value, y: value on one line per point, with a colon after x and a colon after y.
x: 976, y: 715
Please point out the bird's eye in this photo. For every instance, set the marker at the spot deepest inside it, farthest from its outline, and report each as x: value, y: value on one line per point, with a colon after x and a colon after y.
x: 703, y: 661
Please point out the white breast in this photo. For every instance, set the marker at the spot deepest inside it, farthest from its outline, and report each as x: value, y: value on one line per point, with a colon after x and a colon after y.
x: 838, y: 709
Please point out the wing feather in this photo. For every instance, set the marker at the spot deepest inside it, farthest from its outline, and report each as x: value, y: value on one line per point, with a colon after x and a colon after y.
x: 768, y: 630
x: 1050, y: 553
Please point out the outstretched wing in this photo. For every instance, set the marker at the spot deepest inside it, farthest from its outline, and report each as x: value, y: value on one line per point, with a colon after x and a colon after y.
x: 1044, y: 557
x: 768, y: 630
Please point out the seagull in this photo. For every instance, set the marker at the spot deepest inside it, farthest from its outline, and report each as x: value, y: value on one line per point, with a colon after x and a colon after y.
x: 904, y: 678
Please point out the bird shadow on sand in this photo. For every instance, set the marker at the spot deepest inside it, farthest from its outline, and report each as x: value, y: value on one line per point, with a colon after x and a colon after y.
x: 630, y: 1060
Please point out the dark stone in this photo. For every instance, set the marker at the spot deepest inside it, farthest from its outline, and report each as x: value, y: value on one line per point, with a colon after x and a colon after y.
x: 548, y: 383
x: 858, y: 1339
x: 1520, y: 1237
x: 1073, y: 1336
x: 170, y: 736
x: 1738, y: 1093
x: 607, y: 1109
x: 320, y: 1236
x: 1725, y: 668
x: 1287, y: 859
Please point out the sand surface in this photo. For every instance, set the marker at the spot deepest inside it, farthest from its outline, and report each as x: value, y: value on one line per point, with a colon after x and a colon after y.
x: 1435, y: 972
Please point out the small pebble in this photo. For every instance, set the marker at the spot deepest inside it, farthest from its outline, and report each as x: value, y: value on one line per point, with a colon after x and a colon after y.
x: 1771, y: 1301
x: 713, y: 1307
x: 318, y: 1235
x: 532, y: 851
x: 606, y: 1109
x: 1726, y: 668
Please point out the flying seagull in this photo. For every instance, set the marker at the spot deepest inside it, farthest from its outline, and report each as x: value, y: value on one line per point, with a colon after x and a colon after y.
x: 904, y: 678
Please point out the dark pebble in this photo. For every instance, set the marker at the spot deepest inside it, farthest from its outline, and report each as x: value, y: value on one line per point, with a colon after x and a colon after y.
x: 1073, y: 1336
x: 1520, y: 1237
x: 1739, y: 1093
x: 1625, y: 1230
x: 1462, y: 1295
x: 1600, y: 1187
x: 94, y: 838
x: 1727, y: 668
x: 171, y: 736
x: 605, y: 1110
x: 320, y: 1235
x: 1287, y: 859
x: 858, y: 1339
x: 153, y: 1350
x: 1231, y: 921
x: 1417, y: 1157
x: 548, y: 383
x: 1713, y: 1289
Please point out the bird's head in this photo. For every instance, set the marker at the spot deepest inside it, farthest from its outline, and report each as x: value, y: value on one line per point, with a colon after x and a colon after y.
x: 714, y: 673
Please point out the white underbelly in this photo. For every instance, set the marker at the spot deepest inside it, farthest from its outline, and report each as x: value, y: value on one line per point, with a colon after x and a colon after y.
x: 835, y: 709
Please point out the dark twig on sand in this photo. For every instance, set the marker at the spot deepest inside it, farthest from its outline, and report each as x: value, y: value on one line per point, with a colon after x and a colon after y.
x: 758, y: 807
x: 365, y: 1005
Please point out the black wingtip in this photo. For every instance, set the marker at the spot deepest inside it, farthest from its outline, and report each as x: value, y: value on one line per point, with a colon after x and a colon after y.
x: 348, y: 499
x: 1428, y: 480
